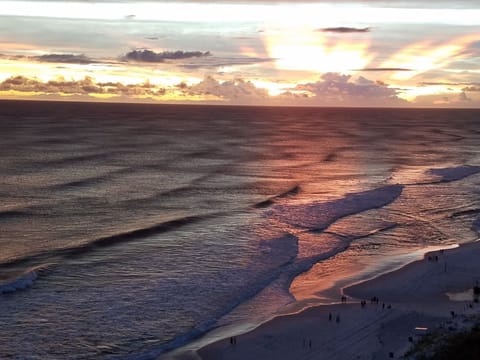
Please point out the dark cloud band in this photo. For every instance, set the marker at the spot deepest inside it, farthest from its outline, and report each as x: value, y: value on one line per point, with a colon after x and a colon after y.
x: 150, y: 56
x: 344, y: 30
x: 65, y: 58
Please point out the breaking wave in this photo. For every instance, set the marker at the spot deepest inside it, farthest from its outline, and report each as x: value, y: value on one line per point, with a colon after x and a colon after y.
x: 454, y: 173
x: 319, y: 215
x: 20, y: 280
x: 270, y: 201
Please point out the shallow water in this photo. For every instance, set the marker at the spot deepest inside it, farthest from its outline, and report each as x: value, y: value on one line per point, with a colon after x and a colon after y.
x: 127, y: 230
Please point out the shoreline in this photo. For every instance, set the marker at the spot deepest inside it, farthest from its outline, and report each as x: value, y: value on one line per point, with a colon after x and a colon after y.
x: 414, y: 295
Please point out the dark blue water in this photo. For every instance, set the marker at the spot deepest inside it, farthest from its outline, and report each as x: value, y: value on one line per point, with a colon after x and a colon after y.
x: 127, y: 230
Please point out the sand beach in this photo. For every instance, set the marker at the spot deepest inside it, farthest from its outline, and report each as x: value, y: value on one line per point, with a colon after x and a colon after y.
x: 413, y: 296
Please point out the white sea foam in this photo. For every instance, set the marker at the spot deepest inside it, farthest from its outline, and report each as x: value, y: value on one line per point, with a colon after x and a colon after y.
x: 319, y: 215
x: 19, y: 282
x: 454, y: 173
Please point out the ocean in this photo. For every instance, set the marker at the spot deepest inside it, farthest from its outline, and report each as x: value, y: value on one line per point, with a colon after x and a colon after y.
x: 130, y: 230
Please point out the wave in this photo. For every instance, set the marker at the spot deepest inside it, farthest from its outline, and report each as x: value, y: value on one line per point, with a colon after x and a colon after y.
x: 152, y: 230
x: 112, y: 240
x: 75, y: 159
x: 12, y: 214
x: 454, y: 173
x: 330, y: 157
x: 319, y: 215
x: 95, y: 180
x: 90, y: 181
x: 287, y: 245
x: 354, y: 237
x: 270, y: 201
x: 171, y: 193
x: 20, y: 280
x: 290, y: 192
x: 465, y: 212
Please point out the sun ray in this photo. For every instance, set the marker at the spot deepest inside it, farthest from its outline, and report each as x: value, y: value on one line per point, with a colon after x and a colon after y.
x: 424, y: 56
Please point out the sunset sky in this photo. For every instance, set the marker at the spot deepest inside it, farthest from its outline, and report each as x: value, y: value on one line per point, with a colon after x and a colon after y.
x: 326, y: 53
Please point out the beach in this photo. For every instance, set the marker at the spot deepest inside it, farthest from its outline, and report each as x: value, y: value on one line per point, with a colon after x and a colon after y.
x: 413, y: 296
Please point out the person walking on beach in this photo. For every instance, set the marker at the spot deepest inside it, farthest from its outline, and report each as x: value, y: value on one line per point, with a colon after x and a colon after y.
x: 330, y: 317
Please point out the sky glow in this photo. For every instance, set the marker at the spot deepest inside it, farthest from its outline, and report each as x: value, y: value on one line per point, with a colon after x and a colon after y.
x: 311, y: 53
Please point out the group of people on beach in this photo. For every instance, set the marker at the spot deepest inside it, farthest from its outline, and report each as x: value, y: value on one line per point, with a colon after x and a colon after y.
x: 374, y: 300
x: 337, y: 318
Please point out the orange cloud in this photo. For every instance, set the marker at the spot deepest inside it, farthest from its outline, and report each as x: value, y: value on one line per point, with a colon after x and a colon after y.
x: 86, y: 86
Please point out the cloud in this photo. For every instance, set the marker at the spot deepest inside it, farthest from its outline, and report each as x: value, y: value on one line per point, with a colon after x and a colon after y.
x: 53, y: 58
x: 332, y: 90
x: 85, y: 86
x: 150, y: 56
x: 344, y: 30
x: 472, y: 88
x: 441, y: 83
x: 64, y: 58
x: 237, y: 89
x: 384, y: 69
x: 215, y: 62
x: 463, y: 97
x: 465, y: 64
x: 232, y: 90
x: 338, y: 89
x: 460, y: 100
x: 393, y: 3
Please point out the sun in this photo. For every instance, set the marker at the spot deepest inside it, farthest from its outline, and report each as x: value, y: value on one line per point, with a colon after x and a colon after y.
x: 305, y: 49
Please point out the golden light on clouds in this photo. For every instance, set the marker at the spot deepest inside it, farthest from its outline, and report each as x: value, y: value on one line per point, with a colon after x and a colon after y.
x: 273, y: 88
x: 409, y: 93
